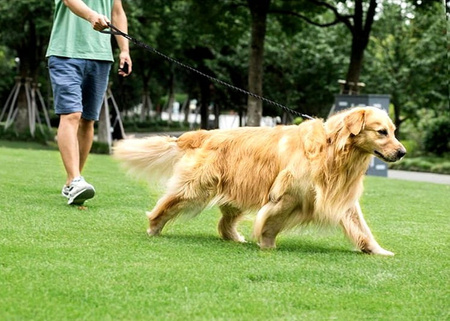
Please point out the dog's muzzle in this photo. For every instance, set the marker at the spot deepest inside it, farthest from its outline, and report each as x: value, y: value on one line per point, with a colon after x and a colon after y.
x: 395, y: 156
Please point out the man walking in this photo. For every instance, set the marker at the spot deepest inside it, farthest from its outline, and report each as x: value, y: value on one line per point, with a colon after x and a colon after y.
x: 80, y: 59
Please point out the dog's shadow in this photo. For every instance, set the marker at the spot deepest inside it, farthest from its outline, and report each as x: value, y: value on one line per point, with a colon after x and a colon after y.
x: 212, y: 241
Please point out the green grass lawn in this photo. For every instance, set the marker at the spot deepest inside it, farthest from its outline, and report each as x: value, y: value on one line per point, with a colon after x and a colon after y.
x: 59, y: 262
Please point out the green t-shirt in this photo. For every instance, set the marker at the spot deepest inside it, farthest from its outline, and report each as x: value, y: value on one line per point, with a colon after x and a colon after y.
x: 74, y: 37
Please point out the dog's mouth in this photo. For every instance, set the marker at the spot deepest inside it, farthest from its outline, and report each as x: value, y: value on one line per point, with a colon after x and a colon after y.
x: 378, y: 154
x: 392, y: 158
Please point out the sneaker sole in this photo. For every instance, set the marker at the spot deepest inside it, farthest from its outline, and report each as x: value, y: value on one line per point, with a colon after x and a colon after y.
x: 81, y: 197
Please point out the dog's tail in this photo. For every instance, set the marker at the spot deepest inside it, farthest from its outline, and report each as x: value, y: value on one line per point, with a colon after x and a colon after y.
x: 151, y: 158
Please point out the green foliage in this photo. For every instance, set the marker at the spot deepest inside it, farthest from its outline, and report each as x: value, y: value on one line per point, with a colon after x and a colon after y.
x: 25, y: 28
x: 61, y: 262
x: 411, y: 146
x: 7, y: 72
x: 437, y: 136
x: 407, y: 58
x: 100, y: 148
x: 153, y: 125
x: 298, y: 120
x: 43, y: 134
x: 439, y: 165
x: 293, y: 61
x: 428, y: 134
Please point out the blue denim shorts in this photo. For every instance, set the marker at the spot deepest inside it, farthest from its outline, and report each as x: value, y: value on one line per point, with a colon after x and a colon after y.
x: 79, y: 85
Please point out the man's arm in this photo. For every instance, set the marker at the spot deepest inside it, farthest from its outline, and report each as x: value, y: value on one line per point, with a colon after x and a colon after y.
x: 119, y: 20
x: 78, y: 7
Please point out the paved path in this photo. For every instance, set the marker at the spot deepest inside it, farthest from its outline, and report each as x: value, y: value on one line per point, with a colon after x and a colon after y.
x: 419, y: 176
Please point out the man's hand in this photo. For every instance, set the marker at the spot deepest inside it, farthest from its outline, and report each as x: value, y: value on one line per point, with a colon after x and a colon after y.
x: 124, y: 58
x: 98, y: 21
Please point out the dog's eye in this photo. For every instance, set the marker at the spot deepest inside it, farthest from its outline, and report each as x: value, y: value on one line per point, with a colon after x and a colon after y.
x: 382, y: 132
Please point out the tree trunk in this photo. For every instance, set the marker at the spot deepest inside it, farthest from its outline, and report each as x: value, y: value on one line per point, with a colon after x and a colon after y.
x: 171, y: 98
x: 147, y: 106
x: 28, y: 53
x: 186, y: 110
x: 146, y: 100
x: 362, y: 26
x: 258, y: 9
x: 397, y: 108
x: 205, y: 94
x: 355, y: 66
x: 21, y: 122
x: 104, y: 124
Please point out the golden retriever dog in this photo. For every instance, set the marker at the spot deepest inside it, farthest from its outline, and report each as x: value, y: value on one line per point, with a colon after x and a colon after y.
x: 290, y: 175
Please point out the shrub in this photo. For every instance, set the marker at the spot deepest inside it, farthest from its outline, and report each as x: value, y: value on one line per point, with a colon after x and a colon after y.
x: 436, y: 139
x: 100, y: 148
x: 297, y: 121
x: 156, y: 125
x: 443, y: 168
x: 42, y: 134
x: 432, y: 164
x: 412, y: 147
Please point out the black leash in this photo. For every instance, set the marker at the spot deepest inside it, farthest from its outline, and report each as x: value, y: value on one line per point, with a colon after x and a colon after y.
x: 113, y: 30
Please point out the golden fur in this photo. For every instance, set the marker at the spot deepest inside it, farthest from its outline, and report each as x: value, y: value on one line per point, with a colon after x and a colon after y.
x: 290, y: 174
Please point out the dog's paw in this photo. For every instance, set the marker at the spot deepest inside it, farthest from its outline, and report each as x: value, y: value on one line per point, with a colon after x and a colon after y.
x: 381, y: 251
x: 234, y: 237
x: 151, y: 232
x: 240, y: 239
x: 267, y: 244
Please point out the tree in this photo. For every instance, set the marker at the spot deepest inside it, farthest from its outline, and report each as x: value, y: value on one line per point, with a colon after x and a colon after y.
x: 185, y: 32
x: 359, y: 23
x: 302, y: 66
x: 8, y: 69
x: 258, y: 10
x: 409, y: 59
x: 358, y: 17
x: 25, y: 28
x: 219, y: 36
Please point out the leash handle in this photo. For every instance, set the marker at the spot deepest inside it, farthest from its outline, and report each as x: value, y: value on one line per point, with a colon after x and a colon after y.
x: 114, y: 31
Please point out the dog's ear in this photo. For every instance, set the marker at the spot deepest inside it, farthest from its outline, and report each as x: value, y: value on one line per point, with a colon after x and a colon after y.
x: 355, y: 121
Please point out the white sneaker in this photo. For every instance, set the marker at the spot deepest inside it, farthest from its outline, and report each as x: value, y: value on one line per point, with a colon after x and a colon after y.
x: 65, y: 191
x: 79, y: 191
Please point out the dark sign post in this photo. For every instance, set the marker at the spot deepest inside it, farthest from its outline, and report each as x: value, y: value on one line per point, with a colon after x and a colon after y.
x: 377, y: 167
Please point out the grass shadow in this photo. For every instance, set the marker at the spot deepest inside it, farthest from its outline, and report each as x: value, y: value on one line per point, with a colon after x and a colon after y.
x: 209, y: 240
x: 312, y: 248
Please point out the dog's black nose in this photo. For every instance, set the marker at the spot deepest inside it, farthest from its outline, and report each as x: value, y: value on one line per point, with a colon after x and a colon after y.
x: 401, y: 152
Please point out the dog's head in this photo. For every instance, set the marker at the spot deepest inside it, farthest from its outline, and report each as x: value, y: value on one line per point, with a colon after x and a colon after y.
x: 369, y: 129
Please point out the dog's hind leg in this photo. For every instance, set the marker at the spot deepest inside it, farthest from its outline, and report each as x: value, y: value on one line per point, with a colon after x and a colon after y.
x: 228, y: 223
x: 165, y: 210
x: 359, y: 233
x: 271, y: 220
x: 187, y: 194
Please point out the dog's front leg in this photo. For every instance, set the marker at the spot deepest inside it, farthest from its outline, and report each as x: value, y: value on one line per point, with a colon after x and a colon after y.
x: 359, y: 233
x: 228, y: 222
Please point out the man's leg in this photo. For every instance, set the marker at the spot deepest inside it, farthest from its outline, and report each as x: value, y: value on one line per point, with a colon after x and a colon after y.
x: 75, y: 137
x: 68, y: 144
x: 85, y: 139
